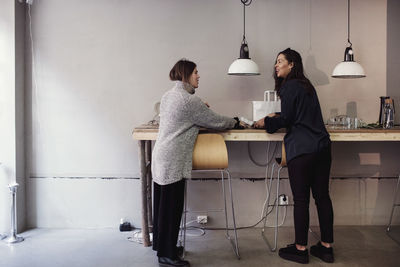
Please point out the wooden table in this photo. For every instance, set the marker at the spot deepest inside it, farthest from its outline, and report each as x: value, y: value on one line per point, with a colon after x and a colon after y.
x: 147, y: 133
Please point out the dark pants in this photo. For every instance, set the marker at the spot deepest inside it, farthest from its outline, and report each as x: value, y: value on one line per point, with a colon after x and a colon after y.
x: 305, y: 172
x: 168, y: 207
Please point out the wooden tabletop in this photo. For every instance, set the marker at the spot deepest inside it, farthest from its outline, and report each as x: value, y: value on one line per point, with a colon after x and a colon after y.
x: 150, y: 132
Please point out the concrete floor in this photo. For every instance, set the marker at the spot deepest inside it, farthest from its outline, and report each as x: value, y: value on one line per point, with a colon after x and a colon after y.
x: 354, y: 246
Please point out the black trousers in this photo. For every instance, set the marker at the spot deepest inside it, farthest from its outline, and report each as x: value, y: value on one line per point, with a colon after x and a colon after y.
x: 311, y: 171
x: 167, y: 214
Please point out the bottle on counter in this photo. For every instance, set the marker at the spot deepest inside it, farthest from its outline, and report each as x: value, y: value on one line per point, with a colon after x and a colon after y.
x: 388, y: 109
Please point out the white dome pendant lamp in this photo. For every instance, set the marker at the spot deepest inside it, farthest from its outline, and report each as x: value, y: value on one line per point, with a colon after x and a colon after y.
x: 244, y: 66
x: 348, y: 69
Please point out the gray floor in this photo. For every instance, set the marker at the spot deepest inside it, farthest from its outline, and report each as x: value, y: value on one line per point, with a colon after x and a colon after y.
x: 354, y: 246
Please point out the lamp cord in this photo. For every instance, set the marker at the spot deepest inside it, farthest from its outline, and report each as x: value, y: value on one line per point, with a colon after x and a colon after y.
x: 244, y: 21
x: 348, y: 23
x: 245, y: 3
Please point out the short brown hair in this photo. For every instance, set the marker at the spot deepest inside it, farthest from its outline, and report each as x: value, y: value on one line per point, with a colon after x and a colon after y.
x: 182, y: 70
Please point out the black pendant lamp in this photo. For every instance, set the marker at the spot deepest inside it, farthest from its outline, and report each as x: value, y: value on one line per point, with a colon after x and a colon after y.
x: 244, y: 66
x: 348, y: 69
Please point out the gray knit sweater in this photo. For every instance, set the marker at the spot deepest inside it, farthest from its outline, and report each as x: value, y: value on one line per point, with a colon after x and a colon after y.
x: 181, y: 115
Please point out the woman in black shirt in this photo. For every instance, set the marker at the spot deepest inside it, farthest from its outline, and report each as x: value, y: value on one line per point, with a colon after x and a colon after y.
x: 308, y: 153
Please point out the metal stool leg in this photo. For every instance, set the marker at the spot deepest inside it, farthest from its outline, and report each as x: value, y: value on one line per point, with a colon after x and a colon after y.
x: 268, y: 198
x: 184, y: 223
x: 234, y: 244
x: 394, y: 205
x: 233, y: 241
x: 13, y: 238
x: 277, y: 210
x: 225, y: 209
x: 267, y: 206
x: 276, y: 206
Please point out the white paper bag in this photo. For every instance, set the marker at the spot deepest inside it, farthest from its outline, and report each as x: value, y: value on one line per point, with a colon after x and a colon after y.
x: 263, y: 108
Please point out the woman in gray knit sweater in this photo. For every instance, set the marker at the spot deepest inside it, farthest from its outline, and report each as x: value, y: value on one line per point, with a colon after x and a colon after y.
x: 181, y: 115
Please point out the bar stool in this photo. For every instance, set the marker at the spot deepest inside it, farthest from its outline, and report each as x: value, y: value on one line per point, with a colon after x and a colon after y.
x: 281, y: 163
x: 210, y: 154
x: 394, y: 204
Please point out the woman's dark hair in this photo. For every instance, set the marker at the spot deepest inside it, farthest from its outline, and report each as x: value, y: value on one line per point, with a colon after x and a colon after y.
x: 297, y: 71
x: 182, y: 70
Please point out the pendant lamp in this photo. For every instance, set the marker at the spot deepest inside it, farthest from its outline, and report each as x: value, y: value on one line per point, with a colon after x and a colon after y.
x: 348, y: 69
x: 244, y: 66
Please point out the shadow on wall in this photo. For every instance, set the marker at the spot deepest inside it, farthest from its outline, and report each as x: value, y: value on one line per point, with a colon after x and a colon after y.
x: 317, y: 76
x: 32, y: 210
x: 365, y: 159
x: 379, y: 201
x: 368, y: 160
x: 333, y: 112
x: 350, y: 159
x: 351, y: 109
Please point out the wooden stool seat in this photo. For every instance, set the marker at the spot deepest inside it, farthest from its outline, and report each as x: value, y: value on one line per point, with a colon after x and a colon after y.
x: 282, y: 160
x: 210, y: 152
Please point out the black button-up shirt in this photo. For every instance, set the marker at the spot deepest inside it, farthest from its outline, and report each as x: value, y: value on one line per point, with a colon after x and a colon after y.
x: 301, y: 116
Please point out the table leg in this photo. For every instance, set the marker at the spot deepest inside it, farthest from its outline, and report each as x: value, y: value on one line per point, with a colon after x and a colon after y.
x: 143, y: 179
x: 149, y: 185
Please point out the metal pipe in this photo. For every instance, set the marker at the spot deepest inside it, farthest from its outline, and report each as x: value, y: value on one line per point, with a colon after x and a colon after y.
x: 13, y: 238
x: 2, y: 236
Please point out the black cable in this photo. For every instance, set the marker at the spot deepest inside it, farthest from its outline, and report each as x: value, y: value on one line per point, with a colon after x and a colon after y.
x: 269, y: 159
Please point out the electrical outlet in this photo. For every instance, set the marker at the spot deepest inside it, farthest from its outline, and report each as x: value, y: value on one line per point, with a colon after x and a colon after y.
x: 283, y: 200
x: 202, y: 219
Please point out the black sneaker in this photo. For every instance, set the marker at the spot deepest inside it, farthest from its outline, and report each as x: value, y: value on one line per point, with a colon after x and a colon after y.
x: 167, y: 262
x: 291, y: 253
x: 322, y: 252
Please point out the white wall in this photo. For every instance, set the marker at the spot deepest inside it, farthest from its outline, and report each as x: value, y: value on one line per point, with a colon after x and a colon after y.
x: 101, y: 65
x: 7, y: 115
x: 393, y: 56
x: 12, y: 145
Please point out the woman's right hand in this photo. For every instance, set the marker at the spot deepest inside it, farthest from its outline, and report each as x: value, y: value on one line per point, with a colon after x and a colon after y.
x: 259, y: 124
x: 271, y: 115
